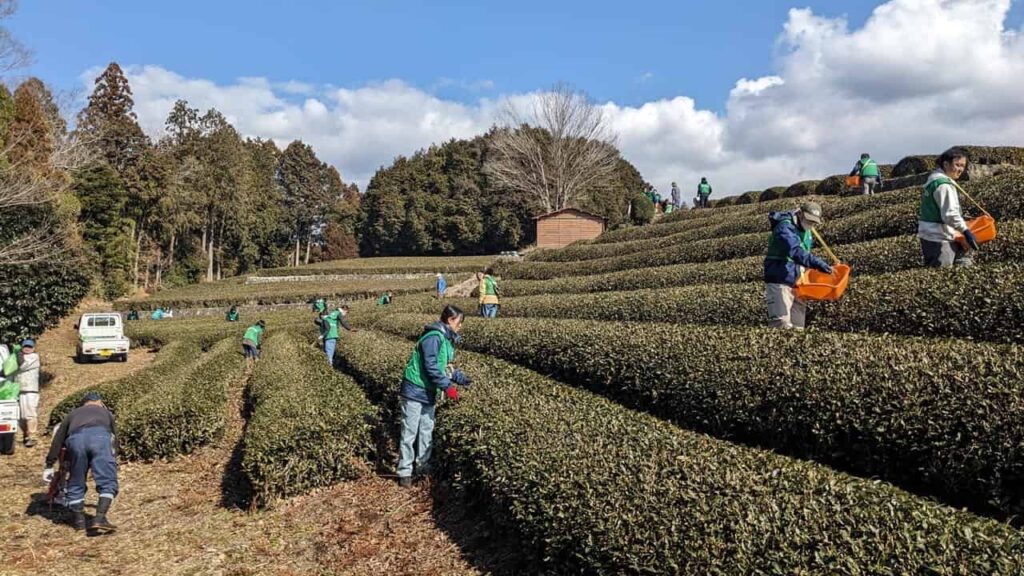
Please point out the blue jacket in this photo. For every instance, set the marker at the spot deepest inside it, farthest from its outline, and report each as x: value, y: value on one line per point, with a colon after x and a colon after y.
x: 441, y: 284
x: 429, y: 349
x: 785, y: 232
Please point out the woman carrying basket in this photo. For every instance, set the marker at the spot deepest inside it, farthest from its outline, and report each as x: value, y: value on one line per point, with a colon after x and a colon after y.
x: 789, y: 252
x: 940, y: 219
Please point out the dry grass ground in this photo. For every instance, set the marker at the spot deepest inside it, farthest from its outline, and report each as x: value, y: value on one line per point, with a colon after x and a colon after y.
x: 172, y: 518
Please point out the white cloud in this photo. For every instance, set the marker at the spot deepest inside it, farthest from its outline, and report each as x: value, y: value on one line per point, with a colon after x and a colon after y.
x: 919, y: 76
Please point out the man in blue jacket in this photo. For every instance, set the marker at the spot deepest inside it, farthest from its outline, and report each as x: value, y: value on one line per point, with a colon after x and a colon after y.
x: 427, y: 372
x: 789, y: 252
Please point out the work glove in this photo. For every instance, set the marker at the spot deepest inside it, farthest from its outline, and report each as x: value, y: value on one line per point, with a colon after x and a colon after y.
x: 825, y: 268
x: 48, y: 475
x: 460, y: 378
x: 971, y: 240
x: 452, y: 392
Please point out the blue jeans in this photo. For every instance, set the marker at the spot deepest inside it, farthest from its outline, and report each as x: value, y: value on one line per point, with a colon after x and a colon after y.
x: 91, y: 449
x: 489, y: 310
x: 329, y: 346
x: 417, y: 420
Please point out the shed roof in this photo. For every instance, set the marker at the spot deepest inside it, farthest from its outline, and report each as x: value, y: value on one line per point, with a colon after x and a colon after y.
x: 576, y: 210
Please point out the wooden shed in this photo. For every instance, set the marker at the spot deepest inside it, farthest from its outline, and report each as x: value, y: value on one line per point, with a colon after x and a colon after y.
x: 563, y: 227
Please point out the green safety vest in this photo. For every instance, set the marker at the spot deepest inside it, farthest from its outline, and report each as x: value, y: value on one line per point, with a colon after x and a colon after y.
x: 383, y: 300
x: 416, y: 373
x: 232, y: 316
x: 320, y: 305
x: 777, y: 250
x: 254, y: 333
x: 929, y: 210
x: 868, y: 168
x: 704, y: 189
x: 330, y: 325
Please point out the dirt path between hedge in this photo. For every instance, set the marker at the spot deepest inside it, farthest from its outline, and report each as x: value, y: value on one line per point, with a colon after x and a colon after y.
x: 177, y: 517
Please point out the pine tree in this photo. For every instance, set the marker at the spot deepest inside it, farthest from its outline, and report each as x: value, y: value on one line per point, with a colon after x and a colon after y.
x: 31, y: 136
x: 110, y: 122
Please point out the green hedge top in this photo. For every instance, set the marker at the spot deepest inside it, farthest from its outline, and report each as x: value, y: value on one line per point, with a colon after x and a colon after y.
x: 941, y: 417
x: 592, y: 487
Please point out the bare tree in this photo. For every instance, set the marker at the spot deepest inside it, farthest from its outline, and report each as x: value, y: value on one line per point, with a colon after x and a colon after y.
x: 557, y: 152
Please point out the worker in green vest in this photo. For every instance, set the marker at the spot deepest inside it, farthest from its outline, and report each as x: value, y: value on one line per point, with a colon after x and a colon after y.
x: 870, y: 175
x: 428, y: 371
x: 251, y: 342
x: 329, y: 324
x: 232, y: 315
x: 939, y: 217
x: 319, y: 306
x: 703, y: 191
x: 385, y: 299
x: 489, y: 294
x: 789, y: 253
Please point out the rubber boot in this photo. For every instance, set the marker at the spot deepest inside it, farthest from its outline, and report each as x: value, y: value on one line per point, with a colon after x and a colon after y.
x: 78, y: 516
x: 31, y: 427
x: 405, y: 481
x: 100, y: 523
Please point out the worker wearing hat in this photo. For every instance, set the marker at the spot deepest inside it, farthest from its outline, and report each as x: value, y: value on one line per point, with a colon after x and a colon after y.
x: 789, y: 253
x: 89, y: 434
x: 28, y: 397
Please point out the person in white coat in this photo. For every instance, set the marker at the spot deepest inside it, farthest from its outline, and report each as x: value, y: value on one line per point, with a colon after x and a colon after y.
x: 28, y: 399
x: 940, y: 219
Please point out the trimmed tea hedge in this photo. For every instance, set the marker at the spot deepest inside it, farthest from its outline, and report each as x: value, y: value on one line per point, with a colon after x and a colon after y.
x: 805, y: 188
x: 390, y: 265
x: 591, y: 487
x: 867, y: 258
x: 171, y: 407
x: 169, y: 361
x: 310, y: 424
x: 748, y: 198
x: 997, y: 192
x: 911, y: 165
x: 981, y: 303
x: 940, y: 417
x: 236, y: 292
x: 182, y: 412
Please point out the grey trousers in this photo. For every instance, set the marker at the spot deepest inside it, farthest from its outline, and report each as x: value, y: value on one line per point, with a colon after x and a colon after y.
x: 869, y: 185
x: 785, y: 310
x: 944, y: 254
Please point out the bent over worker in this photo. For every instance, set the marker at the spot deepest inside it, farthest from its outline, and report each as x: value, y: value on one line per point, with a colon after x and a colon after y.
x: 488, y: 289
x: 90, y: 435
x: 251, y: 341
x: 939, y: 217
x: 870, y: 175
x: 329, y: 330
x: 427, y: 372
x: 789, y: 252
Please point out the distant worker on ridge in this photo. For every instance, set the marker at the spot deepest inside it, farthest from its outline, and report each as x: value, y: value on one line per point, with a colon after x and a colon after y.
x: 385, y: 299
x: 232, y: 315
x: 870, y: 175
x: 488, y: 288
x: 940, y: 218
x: 789, y: 252
x: 442, y: 285
x: 703, y: 191
x: 677, y: 196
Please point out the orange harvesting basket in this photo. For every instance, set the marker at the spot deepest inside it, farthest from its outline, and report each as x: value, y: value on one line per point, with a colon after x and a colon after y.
x: 984, y: 228
x: 853, y: 181
x: 818, y: 286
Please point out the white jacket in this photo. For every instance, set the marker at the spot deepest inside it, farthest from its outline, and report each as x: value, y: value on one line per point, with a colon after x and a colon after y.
x: 949, y: 206
x: 28, y: 374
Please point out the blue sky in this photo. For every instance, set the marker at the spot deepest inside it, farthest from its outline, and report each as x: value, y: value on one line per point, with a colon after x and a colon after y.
x: 752, y: 94
x: 629, y: 52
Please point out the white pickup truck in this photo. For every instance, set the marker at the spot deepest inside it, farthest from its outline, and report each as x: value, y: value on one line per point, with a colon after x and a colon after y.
x: 101, y: 336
